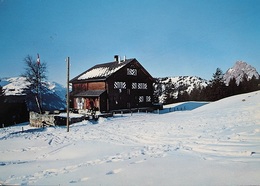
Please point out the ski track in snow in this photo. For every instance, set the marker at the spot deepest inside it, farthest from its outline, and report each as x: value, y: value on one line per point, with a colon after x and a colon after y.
x: 213, y: 134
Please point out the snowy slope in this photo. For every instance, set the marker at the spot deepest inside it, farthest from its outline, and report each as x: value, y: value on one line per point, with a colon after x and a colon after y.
x: 216, y: 144
x: 238, y: 71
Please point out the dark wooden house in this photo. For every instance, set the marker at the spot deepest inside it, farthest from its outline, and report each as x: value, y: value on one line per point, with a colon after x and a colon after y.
x: 121, y: 84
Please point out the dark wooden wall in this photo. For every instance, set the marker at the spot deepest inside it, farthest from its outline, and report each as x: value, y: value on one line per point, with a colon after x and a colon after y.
x: 127, y: 98
x: 82, y: 86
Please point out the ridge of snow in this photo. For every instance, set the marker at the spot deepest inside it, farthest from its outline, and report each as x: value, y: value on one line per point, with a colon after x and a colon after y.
x: 18, y: 86
x: 185, y: 83
x: 15, y: 86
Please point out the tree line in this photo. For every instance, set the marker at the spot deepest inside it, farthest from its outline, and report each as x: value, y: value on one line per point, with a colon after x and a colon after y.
x: 217, y: 89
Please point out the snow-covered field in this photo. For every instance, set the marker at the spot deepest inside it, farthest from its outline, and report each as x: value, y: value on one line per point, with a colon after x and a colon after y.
x: 216, y: 144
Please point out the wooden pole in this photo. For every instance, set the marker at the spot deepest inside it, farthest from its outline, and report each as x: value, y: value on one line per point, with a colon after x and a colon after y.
x: 68, y: 97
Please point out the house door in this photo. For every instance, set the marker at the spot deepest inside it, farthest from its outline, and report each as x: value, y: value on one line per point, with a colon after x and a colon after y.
x: 80, y: 103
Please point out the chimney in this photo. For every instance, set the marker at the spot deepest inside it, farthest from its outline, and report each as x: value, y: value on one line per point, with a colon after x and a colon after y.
x: 116, y: 58
x: 124, y: 58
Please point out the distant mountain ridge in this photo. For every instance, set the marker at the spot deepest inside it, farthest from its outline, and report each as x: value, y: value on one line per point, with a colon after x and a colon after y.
x: 173, y: 86
x: 53, y: 98
x: 238, y: 71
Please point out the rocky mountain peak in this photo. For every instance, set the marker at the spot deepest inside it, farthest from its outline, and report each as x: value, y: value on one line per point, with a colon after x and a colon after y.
x: 238, y: 71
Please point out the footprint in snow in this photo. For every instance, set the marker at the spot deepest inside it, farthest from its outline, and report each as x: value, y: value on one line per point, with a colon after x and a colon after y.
x: 79, y: 180
x: 137, y: 162
x: 114, y: 171
x: 84, y: 179
x: 73, y: 181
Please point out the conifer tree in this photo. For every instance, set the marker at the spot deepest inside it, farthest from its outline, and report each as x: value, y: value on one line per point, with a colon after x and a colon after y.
x: 253, y: 84
x: 169, y: 89
x: 244, y: 86
x: 1, y: 106
x: 1, y: 91
x: 2, y: 94
x: 233, y: 88
x: 217, y: 86
x: 195, y: 94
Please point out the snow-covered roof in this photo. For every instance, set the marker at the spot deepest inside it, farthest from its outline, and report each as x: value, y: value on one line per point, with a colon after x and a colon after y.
x: 102, y: 71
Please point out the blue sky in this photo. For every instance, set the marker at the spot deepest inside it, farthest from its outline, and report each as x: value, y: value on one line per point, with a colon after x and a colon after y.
x: 168, y: 37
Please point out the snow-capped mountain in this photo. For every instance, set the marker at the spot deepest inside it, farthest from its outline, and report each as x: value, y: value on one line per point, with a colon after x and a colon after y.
x: 14, y: 86
x: 58, y: 89
x: 238, y: 71
x: 174, y: 85
x: 52, y: 98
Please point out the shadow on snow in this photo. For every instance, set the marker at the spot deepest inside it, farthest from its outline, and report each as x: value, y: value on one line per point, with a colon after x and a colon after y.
x: 186, y: 106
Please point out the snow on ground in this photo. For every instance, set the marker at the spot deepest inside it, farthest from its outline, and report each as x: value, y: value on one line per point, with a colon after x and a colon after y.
x: 216, y: 144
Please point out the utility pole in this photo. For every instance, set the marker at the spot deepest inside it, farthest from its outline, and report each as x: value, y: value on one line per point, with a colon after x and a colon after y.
x: 38, y: 88
x: 68, y: 97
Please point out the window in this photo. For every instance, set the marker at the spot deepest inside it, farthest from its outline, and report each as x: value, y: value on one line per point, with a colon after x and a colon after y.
x: 131, y: 71
x: 134, y: 85
x: 141, y: 99
x: 119, y: 85
x: 142, y: 85
x: 148, y: 99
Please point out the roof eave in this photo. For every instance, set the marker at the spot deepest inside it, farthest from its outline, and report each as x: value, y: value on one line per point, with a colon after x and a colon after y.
x: 88, y: 80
